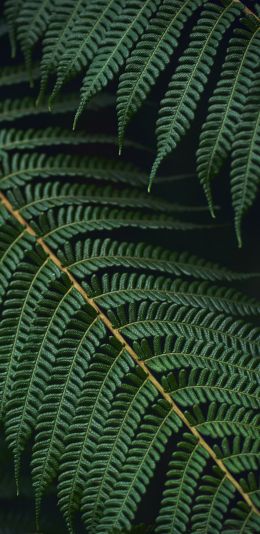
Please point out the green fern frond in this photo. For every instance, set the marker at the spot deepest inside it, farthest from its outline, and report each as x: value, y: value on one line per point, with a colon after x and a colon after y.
x: 34, y: 201
x: 185, y: 469
x: 244, y: 169
x: 149, y: 58
x: 100, y: 39
x: 32, y: 22
x: 190, y: 78
x: 162, y: 354
x: 93, y: 404
x: 118, y: 42
x: 11, y: 75
x: 12, y: 109
x: 90, y: 256
x: 118, y: 355
x: 92, y: 26
x: 211, y: 506
x: 13, y: 139
x: 24, y: 166
x: 115, y: 290
x: 12, y: 8
x: 227, y: 104
x: 60, y: 26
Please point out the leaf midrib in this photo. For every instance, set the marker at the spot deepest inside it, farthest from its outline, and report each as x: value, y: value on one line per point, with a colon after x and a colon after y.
x: 117, y: 335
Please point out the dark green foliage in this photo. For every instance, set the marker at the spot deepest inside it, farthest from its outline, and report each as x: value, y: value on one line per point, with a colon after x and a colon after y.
x: 117, y: 354
x: 230, y: 105
x: 136, y: 40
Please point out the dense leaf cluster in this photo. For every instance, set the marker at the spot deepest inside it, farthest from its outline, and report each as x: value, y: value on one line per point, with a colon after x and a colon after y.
x: 116, y: 353
x: 136, y: 40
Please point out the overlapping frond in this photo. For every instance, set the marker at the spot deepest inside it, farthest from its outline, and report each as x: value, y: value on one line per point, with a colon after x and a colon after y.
x: 118, y: 42
x: 137, y: 40
x: 117, y: 356
x: 92, y: 27
x: 179, y: 104
x: 32, y: 21
x: 245, y: 163
x: 227, y: 104
x: 150, y: 57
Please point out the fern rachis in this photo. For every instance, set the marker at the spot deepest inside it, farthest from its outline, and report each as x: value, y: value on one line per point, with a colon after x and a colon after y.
x: 119, y: 358
x: 125, y: 344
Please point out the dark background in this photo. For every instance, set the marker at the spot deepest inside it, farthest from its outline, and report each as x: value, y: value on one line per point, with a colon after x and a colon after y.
x: 219, y: 244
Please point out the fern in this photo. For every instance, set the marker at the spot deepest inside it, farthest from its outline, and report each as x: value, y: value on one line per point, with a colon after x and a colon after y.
x: 150, y: 56
x: 244, y: 180
x: 119, y: 354
x: 227, y: 104
x: 92, y: 26
x: 38, y: 16
x: 190, y: 78
x: 137, y: 40
x: 117, y: 46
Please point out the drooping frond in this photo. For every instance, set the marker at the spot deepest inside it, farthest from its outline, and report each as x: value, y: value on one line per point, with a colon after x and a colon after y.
x: 118, y: 43
x: 33, y: 19
x: 11, y: 12
x: 179, y: 104
x: 59, y: 29
x: 150, y: 56
x: 137, y: 40
x: 245, y: 157
x: 92, y: 26
x: 118, y: 354
x: 227, y: 104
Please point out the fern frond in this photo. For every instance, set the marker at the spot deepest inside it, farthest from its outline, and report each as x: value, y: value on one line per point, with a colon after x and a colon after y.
x: 65, y: 327
x: 24, y: 167
x: 246, y: 158
x: 190, y: 78
x: 35, y: 200
x: 66, y: 388
x: 54, y: 43
x: 99, y: 39
x: 92, y: 26
x: 140, y: 320
x: 14, y: 242
x: 117, y: 354
x: 32, y: 22
x: 225, y: 420
x: 147, y: 448
x: 226, y: 105
x: 185, y: 469
x: 162, y: 354
x: 211, y: 506
x: 89, y: 256
x: 126, y: 415
x: 149, y: 58
x: 13, y: 139
x: 12, y: 8
x: 34, y: 374
x: 12, y: 109
x: 11, y: 75
x: 243, y: 520
x: 115, y: 290
x: 119, y: 40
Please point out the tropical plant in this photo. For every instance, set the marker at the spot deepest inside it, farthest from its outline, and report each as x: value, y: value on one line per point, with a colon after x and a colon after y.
x: 138, y: 39
x: 123, y: 363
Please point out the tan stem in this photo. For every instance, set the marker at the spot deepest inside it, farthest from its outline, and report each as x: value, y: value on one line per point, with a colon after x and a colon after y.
x: 247, y: 10
x: 115, y: 332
